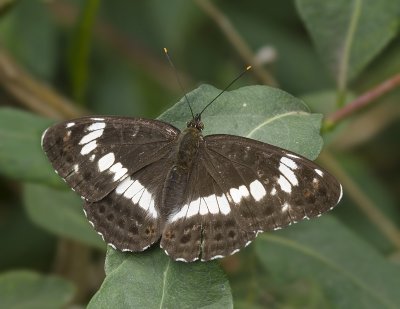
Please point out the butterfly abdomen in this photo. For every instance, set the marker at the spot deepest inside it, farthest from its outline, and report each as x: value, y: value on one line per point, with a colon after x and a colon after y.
x: 185, y: 155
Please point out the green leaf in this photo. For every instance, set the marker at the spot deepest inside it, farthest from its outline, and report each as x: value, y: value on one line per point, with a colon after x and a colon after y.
x: 60, y: 212
x: 25, y: 289
x: 349, y: 34
x: 259, y: 112
x: 21, y: 156
x: 152, y: 280
x: 377, y: 194
x: 351, y: 272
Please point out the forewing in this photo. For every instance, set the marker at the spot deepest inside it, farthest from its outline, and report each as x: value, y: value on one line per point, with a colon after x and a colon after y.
x: 94, y: 154
x: 276, y: 185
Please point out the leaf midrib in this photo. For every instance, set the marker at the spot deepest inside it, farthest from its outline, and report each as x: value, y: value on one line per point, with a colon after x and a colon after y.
x: 344, y: 63
x: 165, y: 274
x: 329, y: 263
x: 274, y: 118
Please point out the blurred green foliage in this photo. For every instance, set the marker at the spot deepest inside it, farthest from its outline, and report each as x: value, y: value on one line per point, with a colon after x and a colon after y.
x: 107, y: 57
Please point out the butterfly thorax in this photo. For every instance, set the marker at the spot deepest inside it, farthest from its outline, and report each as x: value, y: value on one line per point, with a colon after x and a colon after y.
x: 187, y: 148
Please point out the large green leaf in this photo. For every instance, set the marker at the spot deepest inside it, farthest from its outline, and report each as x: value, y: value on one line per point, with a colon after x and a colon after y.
x: 25, y: 289
x: 60, y: 212
x: 351, y: 272
x: 21, y: 156
x: 259, y: 112
x: 349, y: 34
x: 152, y: 280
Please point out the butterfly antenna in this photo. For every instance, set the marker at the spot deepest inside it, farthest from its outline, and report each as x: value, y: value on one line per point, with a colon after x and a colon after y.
x: 178, y: 79
x: 226, y: 88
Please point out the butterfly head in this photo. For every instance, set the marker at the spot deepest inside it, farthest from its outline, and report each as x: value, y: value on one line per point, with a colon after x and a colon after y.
x: 196, y: 123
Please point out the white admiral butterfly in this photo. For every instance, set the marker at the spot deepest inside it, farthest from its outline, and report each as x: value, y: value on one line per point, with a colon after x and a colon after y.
x: 205, y: 197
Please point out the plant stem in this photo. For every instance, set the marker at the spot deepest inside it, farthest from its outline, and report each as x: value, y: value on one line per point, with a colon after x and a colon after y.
x: 33, y: 94
x: 362, y: 101
x: 236, y: 40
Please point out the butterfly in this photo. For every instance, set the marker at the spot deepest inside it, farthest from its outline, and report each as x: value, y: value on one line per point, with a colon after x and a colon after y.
x: 202, y: 197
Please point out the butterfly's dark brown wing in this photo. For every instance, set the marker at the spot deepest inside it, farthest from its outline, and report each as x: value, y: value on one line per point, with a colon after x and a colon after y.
x: 118, y: 165
x: 239, y: 188
x: 94, y: 154
x: 130, y: 217
x: 281, y: 187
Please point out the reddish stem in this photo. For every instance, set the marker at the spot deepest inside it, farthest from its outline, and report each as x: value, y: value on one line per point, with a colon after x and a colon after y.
x: 364, y: 100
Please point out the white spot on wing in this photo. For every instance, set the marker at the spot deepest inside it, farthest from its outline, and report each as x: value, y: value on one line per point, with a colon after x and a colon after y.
x: 106, y: 161
x: 88, y: 148
x: 133, y: 189
x: 181, y: 260
x: 223, y: 205
x: 152, y: 210
x: 257, y: 190
x: 203, y: 207
x: 180, y: 214
x: 96, y: 126
x: 41, y: 140
x: 289, y: 162
x: 124, y: 185
x: 285, y: 207
x: 341, y: 193
x: 319, y: 172
x: 238, y: 194
x: 145, y: 200
x: 193, y: 209
x: 70, y: 124
x: 212, y: 203
x: 91, y: 136
x: 235, y: 251
x: 293, y: 156
x: 289, y: 174
x: 284, y: 184
x: 273, y: 191
x: 97, y: 119
x: 118, y: 171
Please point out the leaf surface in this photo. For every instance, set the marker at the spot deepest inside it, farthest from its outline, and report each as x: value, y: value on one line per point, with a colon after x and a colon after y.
x: 152, y: 280
x: 21, y: 156
x: 60, y: 212
x: 352, y: 273
x: 349, y: 34
x: 263, y: 113
x: 26, y: 289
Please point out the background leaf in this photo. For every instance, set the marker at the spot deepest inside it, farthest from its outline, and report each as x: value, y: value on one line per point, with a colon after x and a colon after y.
x: 21, y: 156
x: 60, y: 212
x: 349, y: 34
x: 152, y: 280
x: 259, y: 112
x: 25, y: 289
x: 326, y: 251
